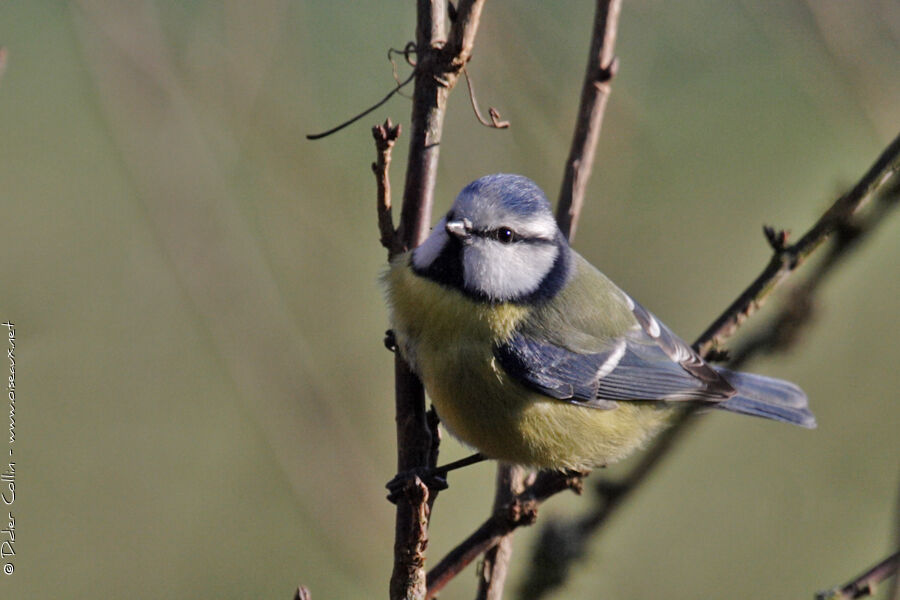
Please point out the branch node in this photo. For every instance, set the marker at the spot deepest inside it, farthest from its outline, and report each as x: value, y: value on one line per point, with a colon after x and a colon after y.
x: 521, y: 512
x: 606, y: 73
x: 777, y: 238
x: 609, y: 490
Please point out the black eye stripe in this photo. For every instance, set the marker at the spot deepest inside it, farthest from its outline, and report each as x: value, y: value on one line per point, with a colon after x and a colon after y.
x: 513, y: 237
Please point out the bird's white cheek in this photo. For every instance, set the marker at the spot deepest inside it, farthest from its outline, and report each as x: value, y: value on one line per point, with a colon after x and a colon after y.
x: 507, y: 271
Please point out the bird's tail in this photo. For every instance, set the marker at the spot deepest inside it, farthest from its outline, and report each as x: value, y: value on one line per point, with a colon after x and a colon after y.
x: 768, y: 398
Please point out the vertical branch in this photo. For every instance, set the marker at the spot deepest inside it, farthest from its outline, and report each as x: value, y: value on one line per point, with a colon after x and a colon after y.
x: 594, y: 93
x: 438, y: 64
x: 511, y: 481
x: 429, y: 102
x: 414, y: 440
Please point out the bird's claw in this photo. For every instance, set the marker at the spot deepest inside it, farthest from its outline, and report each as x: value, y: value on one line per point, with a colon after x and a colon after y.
x: 415, y: 480
x: 390, y: 340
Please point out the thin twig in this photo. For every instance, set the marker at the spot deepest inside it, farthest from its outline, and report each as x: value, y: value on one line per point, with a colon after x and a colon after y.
x: 385, y: 135
x: 594, y: 94
x: 495, y: 122
x: 439, y: 60
x: 864, y: 584
x: 302, y: 593
x: 351, y: 121
x: 787, y: 258
x: 784, y: 328
x: 407, y: 52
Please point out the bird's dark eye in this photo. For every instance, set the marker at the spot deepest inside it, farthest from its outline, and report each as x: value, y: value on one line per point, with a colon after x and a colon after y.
x: 505, y: 235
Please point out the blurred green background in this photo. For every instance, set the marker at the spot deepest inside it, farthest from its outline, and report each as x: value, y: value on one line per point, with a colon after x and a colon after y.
x: 204, y: 404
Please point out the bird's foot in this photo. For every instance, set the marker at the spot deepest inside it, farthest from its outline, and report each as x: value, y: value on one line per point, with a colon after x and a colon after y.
x: 411, y: 483
x: 433, y: 478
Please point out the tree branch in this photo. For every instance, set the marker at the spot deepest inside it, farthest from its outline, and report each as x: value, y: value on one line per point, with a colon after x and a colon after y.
x: 788, y: 258
x: 784, y: 328
x: 438, y: 64
x: 864, y: 584
x: 4, y: 53
x: 594, y: 94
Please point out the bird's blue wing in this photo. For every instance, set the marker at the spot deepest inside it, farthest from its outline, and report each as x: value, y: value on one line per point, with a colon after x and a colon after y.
x: 646, y: 363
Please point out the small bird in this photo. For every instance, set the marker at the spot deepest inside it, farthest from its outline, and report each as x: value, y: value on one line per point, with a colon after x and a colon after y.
x: 532, y: 356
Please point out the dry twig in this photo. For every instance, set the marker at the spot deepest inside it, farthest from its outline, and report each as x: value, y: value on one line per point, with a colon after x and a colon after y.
x: 385, y: 135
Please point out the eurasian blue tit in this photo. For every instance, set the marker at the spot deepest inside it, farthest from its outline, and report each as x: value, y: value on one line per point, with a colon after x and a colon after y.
x: 532, y: 356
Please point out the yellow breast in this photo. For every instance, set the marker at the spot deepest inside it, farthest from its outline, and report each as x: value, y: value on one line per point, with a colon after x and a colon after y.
x: 448, y: 339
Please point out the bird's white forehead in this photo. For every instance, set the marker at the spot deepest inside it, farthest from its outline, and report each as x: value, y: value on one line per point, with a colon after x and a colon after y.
x: 429, y: 250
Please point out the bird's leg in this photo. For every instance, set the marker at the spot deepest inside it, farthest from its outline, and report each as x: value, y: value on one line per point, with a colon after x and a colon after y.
x: 435, y: 478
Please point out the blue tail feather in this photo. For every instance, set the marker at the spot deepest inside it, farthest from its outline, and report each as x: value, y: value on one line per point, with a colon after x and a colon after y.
x: 768, y: 398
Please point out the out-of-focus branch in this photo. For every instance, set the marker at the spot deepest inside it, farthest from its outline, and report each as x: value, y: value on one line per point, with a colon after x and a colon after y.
x: 3, y: 58
x: 594, y: 95
x: 864, y: 584
x: 895, y: 585
x: 385, y: 135
x: 439, y: 61
x: 561, y: 544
